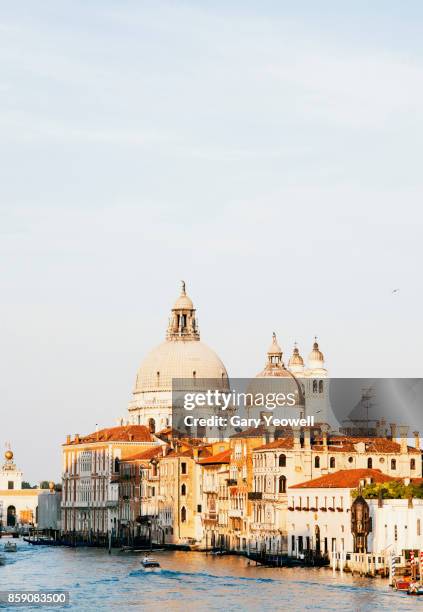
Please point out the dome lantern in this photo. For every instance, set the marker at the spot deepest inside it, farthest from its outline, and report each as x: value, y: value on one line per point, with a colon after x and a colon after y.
x: 183, y: 322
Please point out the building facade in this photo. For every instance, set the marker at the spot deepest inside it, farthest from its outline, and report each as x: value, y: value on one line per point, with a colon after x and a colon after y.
x: 18, y: 506
x: 90, y: 479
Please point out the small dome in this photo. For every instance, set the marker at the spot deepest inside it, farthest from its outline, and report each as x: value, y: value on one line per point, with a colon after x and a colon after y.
x: 8, y: 455
x: 183, y: 302
x: 316, y: 358
x: 274, y: 348
x: 296, y: 359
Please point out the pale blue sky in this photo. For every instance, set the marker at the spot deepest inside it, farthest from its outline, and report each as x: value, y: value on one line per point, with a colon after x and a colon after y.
x: 269, y: 153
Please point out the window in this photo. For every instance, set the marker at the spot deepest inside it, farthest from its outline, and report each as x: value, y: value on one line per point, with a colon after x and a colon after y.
x: 350, y: 459
x: 183, y: 468
x: 282, y: 460
x: 282, y: 484
x: 320, y: 386
x: 370, y: 463
x: 418, y: 527
x: 412, y: 464
x: 183, y: 514
x: 332, y: 462
x: 116, y: 464
x: 317, y: 462
x: 184, y: 489
x: 10, y: 484
x: 314, y: 386
x: 395, y: 533
x: 152, y: 425
x: 393, y: 464
x: 198, y: 507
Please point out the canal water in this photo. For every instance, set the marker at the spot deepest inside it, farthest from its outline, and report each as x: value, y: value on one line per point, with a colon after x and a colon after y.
x: 190, y: 582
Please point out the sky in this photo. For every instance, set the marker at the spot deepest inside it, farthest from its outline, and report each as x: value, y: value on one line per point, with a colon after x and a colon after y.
x: 268, y: 153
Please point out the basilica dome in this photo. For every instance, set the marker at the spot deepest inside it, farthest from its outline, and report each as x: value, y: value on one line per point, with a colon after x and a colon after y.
x: 179, y: 359
x: 181, y: 356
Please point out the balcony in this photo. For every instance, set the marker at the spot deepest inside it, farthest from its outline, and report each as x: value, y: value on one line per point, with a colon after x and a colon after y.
x: 254, y: 495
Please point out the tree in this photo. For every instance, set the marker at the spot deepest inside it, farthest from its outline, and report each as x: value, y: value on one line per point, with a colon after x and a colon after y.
x: 44, y: 484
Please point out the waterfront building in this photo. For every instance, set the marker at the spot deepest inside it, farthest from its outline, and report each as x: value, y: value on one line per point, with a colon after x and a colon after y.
x: 18, y: 506
x: 311, y: 453
x: 319, y: 512
x: 215, y: 473
x: 90, y: 480
x: 139, y: 495
x: 180, y: 499
x: 49, y: 509
x: 181, y: 357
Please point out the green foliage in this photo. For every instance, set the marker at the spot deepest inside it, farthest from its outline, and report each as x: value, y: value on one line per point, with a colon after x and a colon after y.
x: 26, y: 485
x: 390, y: 490
x: 44, y: 484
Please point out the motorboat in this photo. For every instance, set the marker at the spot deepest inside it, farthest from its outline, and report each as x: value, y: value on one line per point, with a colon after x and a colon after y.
x: 10, y: 547
x: 150, y: 562
x: 415, y: 589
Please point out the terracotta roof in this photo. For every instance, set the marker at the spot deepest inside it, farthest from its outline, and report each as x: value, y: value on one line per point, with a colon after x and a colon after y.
x: 145, y: 455
x: 223, y: 457
x: 284, y: 443
x: 126, y: 433
x: 344, y: 479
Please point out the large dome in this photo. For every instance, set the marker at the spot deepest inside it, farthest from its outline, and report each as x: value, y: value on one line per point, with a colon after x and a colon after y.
x: 172, y: 359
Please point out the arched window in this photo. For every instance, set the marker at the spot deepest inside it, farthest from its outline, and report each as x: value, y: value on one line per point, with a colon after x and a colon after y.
x: 282, y: 484
x: 412, y: 464
x: 152, y: 425
x: 183, y: 489
x: 183, y: 514
x: 317, y: 462
x: 370, y: 463
x: 320, y: 386
x: 117, y: 464
x: 282, y: 460
x: 332, y: 462
x: 393, y: 464
x: 314, y: 386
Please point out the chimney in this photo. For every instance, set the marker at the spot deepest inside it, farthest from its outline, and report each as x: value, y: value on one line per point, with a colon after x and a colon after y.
x: 164, y: 450
x: 76, y: 438
x: 416, y: 439
x: 403, y: 431
x: 68, y: 439
x: 325, y: 438
x: 307, y: 438
x: 296, y: 433
x: 393, y: 427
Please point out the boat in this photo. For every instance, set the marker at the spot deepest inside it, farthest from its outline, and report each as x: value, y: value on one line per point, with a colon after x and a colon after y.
x: 10, y: 547
x: 150, y: 562
x: 401, y: 584
x: 415, y: 589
